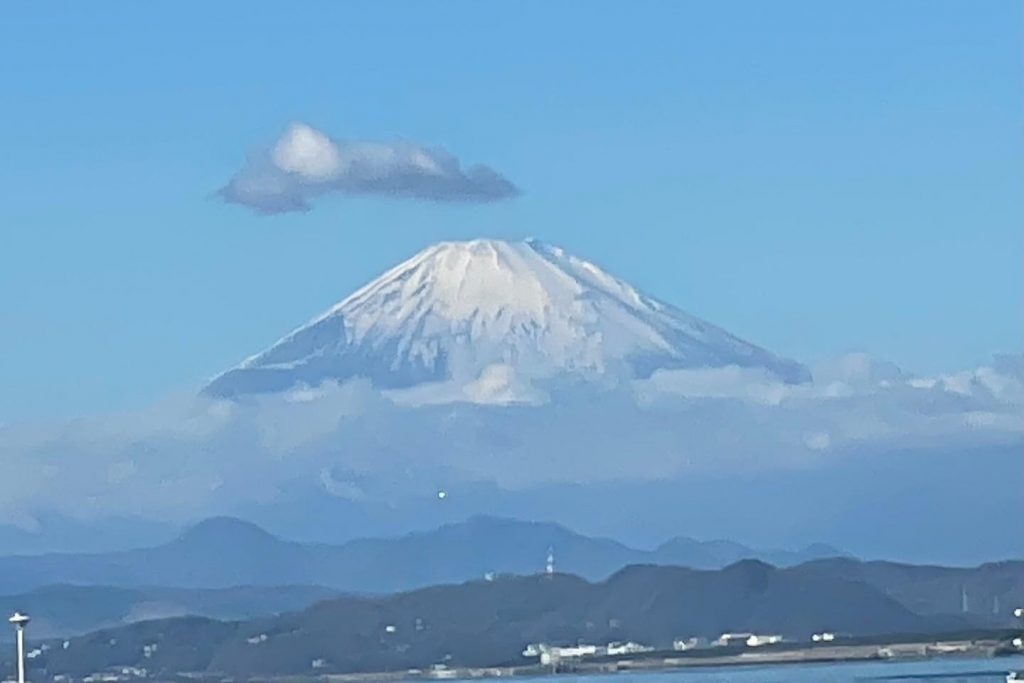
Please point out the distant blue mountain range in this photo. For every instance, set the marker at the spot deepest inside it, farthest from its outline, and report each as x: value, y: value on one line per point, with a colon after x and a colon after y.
x: 226, y: 568
x: 223, y: 552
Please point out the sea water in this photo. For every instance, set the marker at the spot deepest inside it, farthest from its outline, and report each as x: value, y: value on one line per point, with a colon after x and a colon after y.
x: 935, y: 671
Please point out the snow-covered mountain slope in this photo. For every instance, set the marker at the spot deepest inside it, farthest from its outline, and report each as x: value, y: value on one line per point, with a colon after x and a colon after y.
x: 458, y: 310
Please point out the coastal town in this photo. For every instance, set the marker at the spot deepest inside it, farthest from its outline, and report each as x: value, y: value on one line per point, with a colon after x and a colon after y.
x: 728, y: 649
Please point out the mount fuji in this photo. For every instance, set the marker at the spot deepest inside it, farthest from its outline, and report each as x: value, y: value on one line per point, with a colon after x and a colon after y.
x: 517, y: 380
x: 487, y: 314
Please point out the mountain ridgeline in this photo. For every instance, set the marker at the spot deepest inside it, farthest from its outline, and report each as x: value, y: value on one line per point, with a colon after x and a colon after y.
x: 62, y: 610
x: 488, y: 622
x: 228, y: 569
x: 224, y: 552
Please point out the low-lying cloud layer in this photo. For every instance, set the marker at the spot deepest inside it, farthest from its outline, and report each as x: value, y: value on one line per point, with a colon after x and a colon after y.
x: 305, y: 163
x: 195, y: 457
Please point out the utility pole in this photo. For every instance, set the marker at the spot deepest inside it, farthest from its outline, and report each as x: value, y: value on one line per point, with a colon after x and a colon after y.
x: 19, y: 620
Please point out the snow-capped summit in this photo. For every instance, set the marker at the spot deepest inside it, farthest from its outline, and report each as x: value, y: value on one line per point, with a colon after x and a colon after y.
x: 458, y: 310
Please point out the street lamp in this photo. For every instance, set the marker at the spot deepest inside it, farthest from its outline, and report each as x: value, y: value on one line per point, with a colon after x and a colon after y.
x: 19, y: 620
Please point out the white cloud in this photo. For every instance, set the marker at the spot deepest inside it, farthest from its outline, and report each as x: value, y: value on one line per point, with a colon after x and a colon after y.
x: 497, y: 384
x: 189, y: 458
x: 305, y: 163
x: 308, y: 153
x: 750, y: 384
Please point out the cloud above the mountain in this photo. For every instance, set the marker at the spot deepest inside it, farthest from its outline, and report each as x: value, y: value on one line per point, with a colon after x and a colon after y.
x: 305, y: 163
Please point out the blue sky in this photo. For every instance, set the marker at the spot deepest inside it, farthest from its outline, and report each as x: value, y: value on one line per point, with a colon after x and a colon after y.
x: 815, y: 177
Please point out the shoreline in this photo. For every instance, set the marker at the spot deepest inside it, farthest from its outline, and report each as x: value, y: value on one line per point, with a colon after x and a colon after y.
x: 896, y: 652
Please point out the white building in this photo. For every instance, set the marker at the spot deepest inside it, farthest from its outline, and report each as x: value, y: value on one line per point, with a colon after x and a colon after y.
x: 442, y: 671
x: 756, y: 640
x: 732, y: 639
x: 630, y: 648
x: 553, y: 654
x: 748, y: 639
x: 684, y: 644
